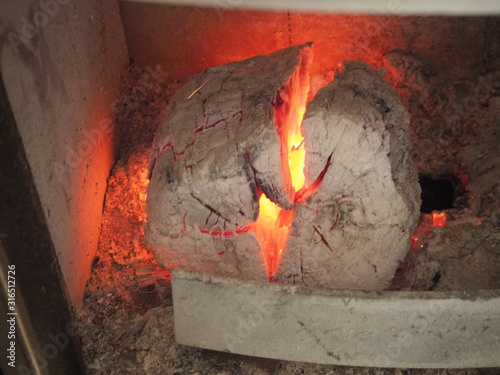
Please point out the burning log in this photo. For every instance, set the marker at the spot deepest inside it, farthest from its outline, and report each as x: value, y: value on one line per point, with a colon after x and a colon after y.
x: 220, y: 147
x: 228, y: 182
x: 357, y: 226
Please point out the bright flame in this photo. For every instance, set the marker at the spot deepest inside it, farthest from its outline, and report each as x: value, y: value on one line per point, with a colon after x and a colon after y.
x: 297, y: 152
x: 273, y: 223
x: 271, y: 233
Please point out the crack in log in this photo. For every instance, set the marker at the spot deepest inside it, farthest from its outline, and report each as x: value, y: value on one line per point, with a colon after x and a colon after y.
x: 318, y: 341
x: 208, y: 126
x: 336, y: 221
x: 301, y: 270
x: 177, y: 155
x: 183, y: 224
x: 301, y: 265
x: 325, y: 242
x: 323, y: 239
x: 162, y: 146
x: 254, y: 173
x: 305, y: 193
x: 204, y: 104
x: 211, y: 209
x: 208, y: 218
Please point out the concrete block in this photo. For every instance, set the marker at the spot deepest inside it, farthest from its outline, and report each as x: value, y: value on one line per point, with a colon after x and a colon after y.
x: 355, y: 328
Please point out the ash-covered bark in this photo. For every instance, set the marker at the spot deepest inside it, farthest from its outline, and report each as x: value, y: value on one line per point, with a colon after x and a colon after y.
x: 353, y: 232
x: 219, y: 145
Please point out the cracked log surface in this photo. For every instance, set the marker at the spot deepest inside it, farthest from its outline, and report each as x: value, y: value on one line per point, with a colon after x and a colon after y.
x: 357, y: 227
x: 217, y: 146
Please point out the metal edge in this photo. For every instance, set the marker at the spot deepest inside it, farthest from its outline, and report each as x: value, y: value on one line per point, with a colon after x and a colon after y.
x: 375, y: 7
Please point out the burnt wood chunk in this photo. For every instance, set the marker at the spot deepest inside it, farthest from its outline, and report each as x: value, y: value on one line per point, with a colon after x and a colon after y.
x: 218, y: 148
x: 357, y: 226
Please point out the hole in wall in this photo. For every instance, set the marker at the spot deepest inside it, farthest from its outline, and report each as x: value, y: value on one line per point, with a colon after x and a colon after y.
x: 438, y: 194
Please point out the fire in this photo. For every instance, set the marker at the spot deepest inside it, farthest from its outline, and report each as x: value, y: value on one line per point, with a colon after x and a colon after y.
x: 273, y: 223
x: 271, y: 232
x: 297, y: 152
x: 438, y: 219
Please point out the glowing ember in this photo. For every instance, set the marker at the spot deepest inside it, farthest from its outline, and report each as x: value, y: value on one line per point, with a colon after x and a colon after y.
x: 414, y: 240
x: 438, y: 219
x: 273, y: 223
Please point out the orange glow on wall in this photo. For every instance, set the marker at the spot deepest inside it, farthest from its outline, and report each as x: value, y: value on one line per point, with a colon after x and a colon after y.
x: 438, y: 219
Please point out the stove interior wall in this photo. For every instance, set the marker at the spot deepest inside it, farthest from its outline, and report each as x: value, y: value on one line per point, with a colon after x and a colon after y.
x: 186, y: 40
x: 62, y: 63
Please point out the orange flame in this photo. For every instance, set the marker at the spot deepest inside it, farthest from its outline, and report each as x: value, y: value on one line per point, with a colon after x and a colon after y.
x: 273, y: 223
x: 271, y: 232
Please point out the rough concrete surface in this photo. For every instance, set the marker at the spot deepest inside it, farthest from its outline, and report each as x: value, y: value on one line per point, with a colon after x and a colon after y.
x: 388, y: 329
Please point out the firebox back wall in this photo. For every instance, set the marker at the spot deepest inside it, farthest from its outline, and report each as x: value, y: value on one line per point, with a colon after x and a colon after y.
x: 186, y: 40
